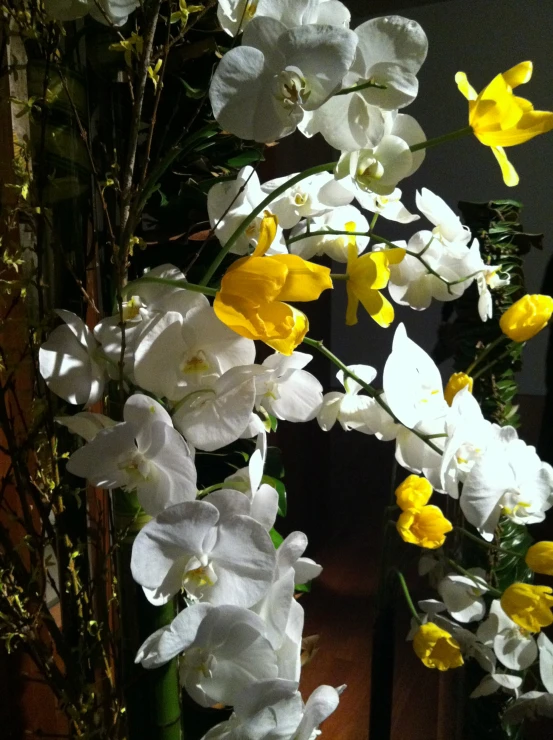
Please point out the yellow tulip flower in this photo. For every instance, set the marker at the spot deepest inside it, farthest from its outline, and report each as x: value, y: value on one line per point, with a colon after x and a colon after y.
x: 366, y: 276
x: 437, y: 648
x: 528, y: 606
x: 413, y: 493
x: 539, y: 558
x: 499, y: 119
x: 253, y: 291
x: 526, y: 317
x: 425, y: 526
x: 456, y: 383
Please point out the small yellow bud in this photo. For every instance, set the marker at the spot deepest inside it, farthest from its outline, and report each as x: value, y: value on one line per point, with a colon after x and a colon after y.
x: 413, y: 493
x: 456, y: 383
x: 425, y: 527
x: 437, y: 648
x: 525, y: 318
x: 539, y: 558
x: 528, y: 606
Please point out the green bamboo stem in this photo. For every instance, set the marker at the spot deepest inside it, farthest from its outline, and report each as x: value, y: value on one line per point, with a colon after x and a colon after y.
x: 152, y: 697
x: 173, y: 283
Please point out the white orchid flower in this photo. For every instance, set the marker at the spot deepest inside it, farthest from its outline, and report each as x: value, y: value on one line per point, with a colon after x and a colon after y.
x: 468, y: 436
x: 228, y: 204
x: 351, y: 408
x: 530, y: 705
x: 71, y: 362
x: 144, y: 452
x: 262, y: 89
x: 224, y: 651
x: 263, y: 497
x: 148, y: 302
x: 234, y: 15
x: 220, y: 413
x: 216, y: 555
x: 412, y: 382
x: 379, y: 168
x: 545, y: 647
x: 494, y: 682
x: 86, y: 424
x: 390, y: 52
x: 389, y: 206
x: 515, y: 648
x: 411, y: 282
x: 342, y: 218
x: 108, y: 12
x: 274, y: 710
x: 447, y: 225
x: 287, y: 391
x: 277, y: 604
x: 486, y: 281
x: 462, y: 595
x: 181, y: 353
x: 300, y: 201
x: 508, y: 479
x: 414, y: 454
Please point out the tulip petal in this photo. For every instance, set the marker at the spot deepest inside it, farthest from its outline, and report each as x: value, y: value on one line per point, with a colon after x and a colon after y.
x: 465, y: 88
x: 519, y: 74
x: 305, y: 281
x: 510, y: 176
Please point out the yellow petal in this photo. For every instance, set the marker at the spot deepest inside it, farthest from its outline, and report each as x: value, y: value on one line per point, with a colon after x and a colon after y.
x: 267, y: 233
x: 353, y: 305
x: 519, y: 74
x: 377, y: 306
x: 395, y: 256
x: 240, y: 316
x: 530, y: 124
x: 510, y: 176
x: 259, y: 278
x: 305, y: 281
x: 298, y: 326
x: 465, y: 88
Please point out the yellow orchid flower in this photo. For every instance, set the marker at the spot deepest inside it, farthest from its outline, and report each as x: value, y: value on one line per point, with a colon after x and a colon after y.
x: 367, y: 275
x: 499, y: 119
x: 253, y: 291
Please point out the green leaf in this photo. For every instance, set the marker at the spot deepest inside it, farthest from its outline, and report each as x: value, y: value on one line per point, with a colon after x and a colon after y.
x: 248, y: 157
x: 277, y: 538
x: 303, y: 587
x: 196, y: 93
x: 281, y: 490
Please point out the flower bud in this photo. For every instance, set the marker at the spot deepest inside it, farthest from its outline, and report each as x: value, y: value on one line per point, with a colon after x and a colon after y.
x: 425, y: 527
x: 525, y: 318
x: 437, y: 648
x: 456, y: 383
x: 413, y: 493
x: 539, y: 558
x: 528, y: 606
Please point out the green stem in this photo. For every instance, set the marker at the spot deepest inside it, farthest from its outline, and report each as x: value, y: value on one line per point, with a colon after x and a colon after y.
x: 442, y: 139
x: 485, y: 352
x: 373, y: 221
x: 241, y: 229
x: 487, y: 545
x: 372, y: 392
x: 174, y: 283
x: 339, y: 276
x: 407, y: 595
x: 362, y: 86
x: 468, y: 574
x: 489, y: 366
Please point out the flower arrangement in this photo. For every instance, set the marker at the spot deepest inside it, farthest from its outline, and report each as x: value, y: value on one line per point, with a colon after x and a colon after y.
x: 165, y: 374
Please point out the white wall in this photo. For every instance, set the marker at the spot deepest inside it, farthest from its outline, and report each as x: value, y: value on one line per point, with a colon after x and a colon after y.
x: 482, y: 38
